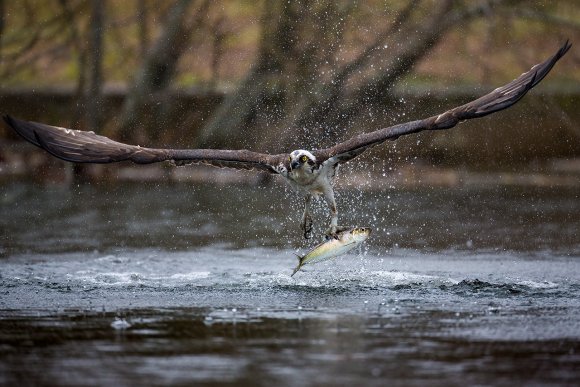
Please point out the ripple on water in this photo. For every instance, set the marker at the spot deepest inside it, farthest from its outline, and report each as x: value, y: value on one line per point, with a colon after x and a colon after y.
x: 254, y: 275
x: 131, y: 278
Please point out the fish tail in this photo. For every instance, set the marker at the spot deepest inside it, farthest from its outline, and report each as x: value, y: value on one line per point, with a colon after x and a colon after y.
x: 300, y: 259
x: 295, y: 270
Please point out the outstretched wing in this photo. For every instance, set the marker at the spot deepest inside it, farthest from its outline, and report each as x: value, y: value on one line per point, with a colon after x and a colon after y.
x: 499, y: 99
x: 87, y: 147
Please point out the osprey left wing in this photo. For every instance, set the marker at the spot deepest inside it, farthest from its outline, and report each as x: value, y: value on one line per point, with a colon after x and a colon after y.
x: 87, y: 147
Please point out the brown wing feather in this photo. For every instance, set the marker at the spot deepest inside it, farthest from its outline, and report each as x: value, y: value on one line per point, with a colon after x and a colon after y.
x: 499, y: 99
x: 87, y: 147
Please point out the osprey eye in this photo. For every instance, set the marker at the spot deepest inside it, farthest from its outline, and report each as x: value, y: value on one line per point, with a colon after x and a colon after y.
x: 289, y: 158
x: 304, y: 159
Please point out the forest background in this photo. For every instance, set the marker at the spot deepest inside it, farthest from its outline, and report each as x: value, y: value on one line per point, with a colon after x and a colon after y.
x: 276, y: 75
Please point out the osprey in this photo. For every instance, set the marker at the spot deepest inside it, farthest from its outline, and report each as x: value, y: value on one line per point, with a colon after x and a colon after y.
x: 309, y: 171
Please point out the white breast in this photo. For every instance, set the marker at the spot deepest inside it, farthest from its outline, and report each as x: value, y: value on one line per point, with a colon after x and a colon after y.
x: 317, y: 183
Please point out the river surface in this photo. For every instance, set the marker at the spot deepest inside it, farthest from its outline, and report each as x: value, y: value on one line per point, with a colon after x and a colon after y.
x: 189, y: 284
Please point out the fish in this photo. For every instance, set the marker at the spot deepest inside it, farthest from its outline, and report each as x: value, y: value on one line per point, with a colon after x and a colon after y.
x: 344, y: 242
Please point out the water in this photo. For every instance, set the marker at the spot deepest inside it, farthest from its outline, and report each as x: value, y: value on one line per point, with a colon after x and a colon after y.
x: 189, y: 284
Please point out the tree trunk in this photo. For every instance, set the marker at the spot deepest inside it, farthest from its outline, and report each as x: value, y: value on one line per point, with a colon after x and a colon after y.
x: 94, y: 91
x: 157, y: 71
x: 143, y: 25
x: 2, y: 22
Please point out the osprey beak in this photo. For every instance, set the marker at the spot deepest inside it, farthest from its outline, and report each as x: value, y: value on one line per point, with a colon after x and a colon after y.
x: 294, y: 165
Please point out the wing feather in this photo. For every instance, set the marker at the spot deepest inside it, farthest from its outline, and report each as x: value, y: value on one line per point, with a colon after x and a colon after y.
x: 499, y: 99
x: 87, y: 147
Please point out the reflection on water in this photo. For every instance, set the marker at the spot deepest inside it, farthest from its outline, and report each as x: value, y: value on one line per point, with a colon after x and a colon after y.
x: 179, y: 346
x: 183, y: 284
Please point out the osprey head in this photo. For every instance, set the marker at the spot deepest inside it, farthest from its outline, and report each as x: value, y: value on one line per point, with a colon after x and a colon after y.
x: 302, y: 160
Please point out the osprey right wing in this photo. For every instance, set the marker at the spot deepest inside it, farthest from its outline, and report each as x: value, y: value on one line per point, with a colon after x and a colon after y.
x: 499, y: 99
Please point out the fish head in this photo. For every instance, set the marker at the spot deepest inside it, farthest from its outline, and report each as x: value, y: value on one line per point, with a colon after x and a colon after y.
x: 360, y: 234
x: 301, y: 159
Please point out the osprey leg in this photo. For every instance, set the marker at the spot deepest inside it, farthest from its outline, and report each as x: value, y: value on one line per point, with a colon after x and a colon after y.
x: 329, y: 197
x: 306, y: 224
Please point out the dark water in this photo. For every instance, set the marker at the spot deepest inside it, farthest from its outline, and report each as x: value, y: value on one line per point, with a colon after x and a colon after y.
x: 184, y: 284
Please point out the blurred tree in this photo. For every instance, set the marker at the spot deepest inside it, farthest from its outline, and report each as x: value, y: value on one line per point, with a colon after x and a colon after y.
x: 218, y: 36
x: 76, y: 39
x: 142, y: 20
x: 298, y: 66
x: 2, y: 21
x: 312, y: 65
x: 94, y: 90
x: 158, y: 68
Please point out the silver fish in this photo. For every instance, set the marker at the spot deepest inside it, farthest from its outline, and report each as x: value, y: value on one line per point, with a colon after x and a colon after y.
x: 345, y: 241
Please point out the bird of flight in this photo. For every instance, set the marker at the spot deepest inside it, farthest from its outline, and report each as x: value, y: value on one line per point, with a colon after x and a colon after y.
x: 310, y: 172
